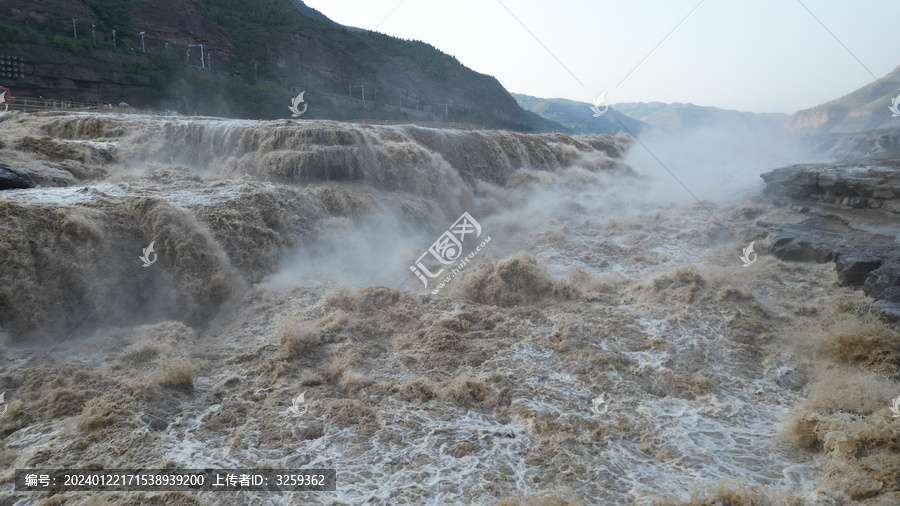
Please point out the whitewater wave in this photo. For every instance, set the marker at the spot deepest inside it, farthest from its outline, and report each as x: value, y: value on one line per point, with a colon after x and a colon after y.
x: 304, y: 191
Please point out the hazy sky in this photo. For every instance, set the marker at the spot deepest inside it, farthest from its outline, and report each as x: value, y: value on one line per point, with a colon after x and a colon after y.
x: 751, y: 55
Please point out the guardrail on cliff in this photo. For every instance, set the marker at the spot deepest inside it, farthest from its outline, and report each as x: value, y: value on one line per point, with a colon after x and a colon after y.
x: 30, y: 104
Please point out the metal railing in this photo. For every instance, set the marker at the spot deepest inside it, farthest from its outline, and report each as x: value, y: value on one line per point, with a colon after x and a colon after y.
x: 31, y: 104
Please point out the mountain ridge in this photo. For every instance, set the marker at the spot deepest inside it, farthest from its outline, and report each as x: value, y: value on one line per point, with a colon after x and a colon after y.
x: 577, y: 118
x: 641, y: 116
x: 686, y: 116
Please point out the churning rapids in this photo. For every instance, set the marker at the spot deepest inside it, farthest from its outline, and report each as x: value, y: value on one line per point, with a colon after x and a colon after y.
x: 283, y: 268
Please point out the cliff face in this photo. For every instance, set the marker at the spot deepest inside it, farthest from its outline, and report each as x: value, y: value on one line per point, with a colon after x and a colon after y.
x: 860, y: 111
x: 262, y: 54
x: 820, y: 118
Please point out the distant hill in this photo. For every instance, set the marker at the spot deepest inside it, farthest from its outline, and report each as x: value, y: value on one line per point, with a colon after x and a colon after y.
x: 576, y: 117
x: 859, y: 111
x: 684, y: 117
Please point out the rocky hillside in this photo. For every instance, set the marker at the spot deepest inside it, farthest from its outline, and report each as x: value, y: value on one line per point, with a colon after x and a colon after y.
x: 261, y: 55
x: 860, y: 111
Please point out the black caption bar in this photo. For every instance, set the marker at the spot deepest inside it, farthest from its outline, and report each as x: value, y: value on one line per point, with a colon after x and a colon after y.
x: 198, y: 480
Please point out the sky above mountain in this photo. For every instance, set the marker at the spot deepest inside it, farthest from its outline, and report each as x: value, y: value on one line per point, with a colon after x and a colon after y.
x: 761, y: 56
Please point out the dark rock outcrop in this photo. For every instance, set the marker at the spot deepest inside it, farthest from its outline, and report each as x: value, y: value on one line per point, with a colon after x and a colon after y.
x: 11, y: 178
x: 852, y: 222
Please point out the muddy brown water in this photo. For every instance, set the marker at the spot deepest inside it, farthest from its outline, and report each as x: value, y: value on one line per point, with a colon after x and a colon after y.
x: 283, y: 268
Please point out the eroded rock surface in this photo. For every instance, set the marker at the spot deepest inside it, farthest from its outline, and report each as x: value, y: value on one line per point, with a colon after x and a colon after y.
x: 853, y: 222
x: 857, y: 187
